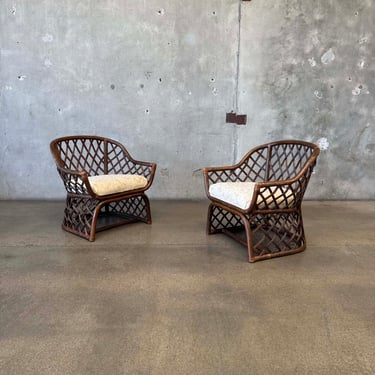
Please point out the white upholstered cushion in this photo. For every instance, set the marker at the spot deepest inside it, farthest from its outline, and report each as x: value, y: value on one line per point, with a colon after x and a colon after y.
x: 240, y: 194
x: 237, y: 194
x: 116, y: 183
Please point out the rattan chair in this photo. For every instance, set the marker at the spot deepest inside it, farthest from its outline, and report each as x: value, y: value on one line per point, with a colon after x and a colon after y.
x: 258, y: 200
x: 105, y: 185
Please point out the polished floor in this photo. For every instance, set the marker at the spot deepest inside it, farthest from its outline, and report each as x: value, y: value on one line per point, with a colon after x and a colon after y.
x: 166, y: 299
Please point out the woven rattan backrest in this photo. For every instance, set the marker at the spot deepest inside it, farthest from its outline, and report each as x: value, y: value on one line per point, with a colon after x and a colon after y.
x: 96, y: 156
x: 287, y: 159
x: 253, y: 166
x: 82, y: 153
x: 118, y: 159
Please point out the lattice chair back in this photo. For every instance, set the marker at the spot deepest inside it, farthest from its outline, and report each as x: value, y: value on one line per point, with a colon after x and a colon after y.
x: 292, y: 161
x: 119, y: 161
x: 81, y: 154
x: 253, y: 166
x: 286, y: 160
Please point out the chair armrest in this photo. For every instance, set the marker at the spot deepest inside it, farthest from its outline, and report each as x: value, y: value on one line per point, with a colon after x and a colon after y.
x: 213, y: 175
x: 75, y: 182
x: 273, y: 195
x: 233, y: 173
x: 143, y: 168
x: 250, y: 168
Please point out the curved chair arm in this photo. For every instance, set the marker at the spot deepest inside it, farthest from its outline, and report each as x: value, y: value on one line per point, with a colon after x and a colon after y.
x: 251, y: 168
x: 240, y: 172
x: 143, y: 168
x: 213, y: 175
x: 276, y: 195
x: 75, y: 182
x: 119, y: 161
x: 282, y: 194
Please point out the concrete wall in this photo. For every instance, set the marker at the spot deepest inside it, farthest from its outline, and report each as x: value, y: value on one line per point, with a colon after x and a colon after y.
x: 159, y: 76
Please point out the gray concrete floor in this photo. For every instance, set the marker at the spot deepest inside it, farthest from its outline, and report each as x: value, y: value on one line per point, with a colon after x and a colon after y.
x: 167, y: 299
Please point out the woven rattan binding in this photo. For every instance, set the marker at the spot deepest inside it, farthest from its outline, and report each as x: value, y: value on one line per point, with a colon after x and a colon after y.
x: 81, y: 156
x: 269, y: 227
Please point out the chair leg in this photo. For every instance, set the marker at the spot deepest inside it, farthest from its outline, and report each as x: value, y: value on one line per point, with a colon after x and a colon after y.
x: 266, y: 235
x: 210, y: 229
x: 220, y: 219
x: 278, y: 234
x: 147, y: 209
x: 249, y: 238
x: 80, y: 216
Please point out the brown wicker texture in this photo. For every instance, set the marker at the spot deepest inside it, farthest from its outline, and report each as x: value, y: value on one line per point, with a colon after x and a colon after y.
x: 272, y: 226
x: 81, y: 156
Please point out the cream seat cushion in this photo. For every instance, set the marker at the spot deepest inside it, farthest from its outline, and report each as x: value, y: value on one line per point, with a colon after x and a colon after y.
x: 240, y: 194
x: 116, y: 183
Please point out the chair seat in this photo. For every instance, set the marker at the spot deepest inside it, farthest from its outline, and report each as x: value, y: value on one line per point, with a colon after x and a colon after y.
x: 240, y: 194
x: 116, y: 183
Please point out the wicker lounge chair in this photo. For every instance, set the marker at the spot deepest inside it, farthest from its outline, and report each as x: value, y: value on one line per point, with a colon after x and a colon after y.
x: 258, y: 200
x: 105, y: 185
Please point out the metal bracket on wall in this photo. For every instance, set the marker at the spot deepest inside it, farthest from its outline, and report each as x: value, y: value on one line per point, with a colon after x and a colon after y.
x: 233, y: 118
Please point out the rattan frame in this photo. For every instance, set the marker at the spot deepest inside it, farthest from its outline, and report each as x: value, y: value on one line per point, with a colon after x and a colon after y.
x: 267, y: 228
x: 80, y: 156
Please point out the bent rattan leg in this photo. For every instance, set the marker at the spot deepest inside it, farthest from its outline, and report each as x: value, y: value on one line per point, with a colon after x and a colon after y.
x: 277, y: 234
x: 82, y: 214
x: 79, y: 216
x: 219, y: 219
x: 268, y: 235
x: 249, y: 238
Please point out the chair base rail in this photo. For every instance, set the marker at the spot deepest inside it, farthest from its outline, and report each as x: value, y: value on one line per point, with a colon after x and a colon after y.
x: 85, y: 216
x: 266, y: 236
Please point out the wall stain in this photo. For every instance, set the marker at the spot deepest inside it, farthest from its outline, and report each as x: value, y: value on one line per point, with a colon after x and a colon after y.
x: 357, y: 90
x: 328, y: 57
x: 47, y: 38
x: 323, y: 144
x: 164, y: 172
